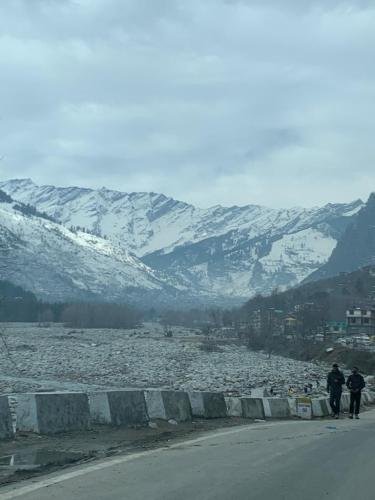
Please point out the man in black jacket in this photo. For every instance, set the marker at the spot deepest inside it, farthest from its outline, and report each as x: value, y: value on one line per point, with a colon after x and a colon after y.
x: 355, y: 384
x: 335, y: 381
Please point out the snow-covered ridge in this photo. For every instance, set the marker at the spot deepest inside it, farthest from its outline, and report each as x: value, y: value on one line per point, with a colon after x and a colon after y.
x: 149, y: 222
x: 223, y: 251
x: 58, y: 264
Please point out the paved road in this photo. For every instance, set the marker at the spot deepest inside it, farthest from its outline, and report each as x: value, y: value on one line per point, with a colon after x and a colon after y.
x: 268, y: 461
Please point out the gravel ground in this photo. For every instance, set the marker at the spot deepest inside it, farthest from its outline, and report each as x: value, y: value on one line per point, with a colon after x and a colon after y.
x: 40, y: 358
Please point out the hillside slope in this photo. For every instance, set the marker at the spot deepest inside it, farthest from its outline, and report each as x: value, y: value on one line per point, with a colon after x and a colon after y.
x: 356, y: 248
x: 330, y: 297
x: 58, y: 264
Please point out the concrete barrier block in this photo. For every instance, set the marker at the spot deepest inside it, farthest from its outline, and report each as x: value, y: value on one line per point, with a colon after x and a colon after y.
x: 6, y: 425
x: 155, y: 404
x: 168, y: 405
x: 100, y: 412
x: 293, y: 406
x: 328, y: 405
x: 252, y: 408
x: 370, y: 396
x: 276, y: 408
x: 127, y: 407
x: 320, y: 408
x: 345, y: 402
x: 52, y: 412
x: 118, y: 407
x: 177, y: 405
x: 365, y: 399
x: 208, y: 404
x: 234, y: 406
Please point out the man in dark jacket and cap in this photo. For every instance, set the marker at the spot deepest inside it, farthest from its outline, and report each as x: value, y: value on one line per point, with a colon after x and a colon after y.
x: 355, y: 384
x: 335, y: 381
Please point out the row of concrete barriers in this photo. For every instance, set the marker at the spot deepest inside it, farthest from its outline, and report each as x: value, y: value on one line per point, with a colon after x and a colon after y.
x: 54, y: 412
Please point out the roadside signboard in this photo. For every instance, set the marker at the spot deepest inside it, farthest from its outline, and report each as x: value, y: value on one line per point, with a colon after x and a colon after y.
x: 304, y: 408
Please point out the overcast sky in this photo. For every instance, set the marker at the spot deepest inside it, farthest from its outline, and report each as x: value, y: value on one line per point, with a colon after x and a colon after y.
x: 210, y: 101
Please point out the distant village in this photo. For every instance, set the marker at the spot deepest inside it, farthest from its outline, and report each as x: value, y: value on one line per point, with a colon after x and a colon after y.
x: 338, y: 311
x: 356, y: 330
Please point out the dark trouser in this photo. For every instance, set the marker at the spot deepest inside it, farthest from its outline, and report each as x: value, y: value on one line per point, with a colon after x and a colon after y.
x: 355, y: 401
x: 334, y: 401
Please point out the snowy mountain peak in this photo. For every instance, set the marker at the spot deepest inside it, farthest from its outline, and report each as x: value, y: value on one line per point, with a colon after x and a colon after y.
x: 19, y: 184
x: 228, y: 251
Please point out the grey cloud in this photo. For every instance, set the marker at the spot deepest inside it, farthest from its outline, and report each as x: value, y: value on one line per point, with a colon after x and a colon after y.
x: 305, y: 5
x: 265, y: 142
x: 213, y: 102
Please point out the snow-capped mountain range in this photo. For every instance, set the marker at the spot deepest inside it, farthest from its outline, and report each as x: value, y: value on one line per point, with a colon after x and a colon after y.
x: 222, y: 252
x: 58, y: 264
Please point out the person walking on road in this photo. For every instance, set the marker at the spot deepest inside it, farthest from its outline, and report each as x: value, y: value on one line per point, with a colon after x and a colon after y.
x: 335, y: 381
x: 355, y: 384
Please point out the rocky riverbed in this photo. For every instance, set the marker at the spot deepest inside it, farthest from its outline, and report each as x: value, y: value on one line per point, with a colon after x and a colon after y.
x: 59, y: 358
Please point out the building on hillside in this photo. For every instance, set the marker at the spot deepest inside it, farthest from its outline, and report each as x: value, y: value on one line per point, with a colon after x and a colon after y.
x: 256, y: 321
x: 276, y: 320
x: 336, y: 328
x: 306, y: 306
x: 290, y: 325
x: 267, y: 321
x: 360, y: 321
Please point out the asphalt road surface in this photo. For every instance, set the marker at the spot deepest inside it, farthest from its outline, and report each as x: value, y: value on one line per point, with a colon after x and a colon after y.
x: 269, y: 461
